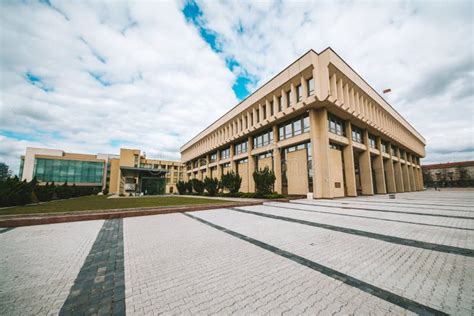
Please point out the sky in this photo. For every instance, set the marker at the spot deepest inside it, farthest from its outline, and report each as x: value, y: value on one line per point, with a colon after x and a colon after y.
x: 91, y: 77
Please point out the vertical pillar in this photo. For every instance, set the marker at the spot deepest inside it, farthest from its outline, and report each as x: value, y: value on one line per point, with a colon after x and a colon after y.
x: 251, y: 165
x: 366, y: 168
x: 349, y: 169
x: 320, y: 146
x: 277, y: 161
x: 233, y: 165
x: 411, y: 173
x: 219, y: 167
x: 406, y: 177
x: 304, y: 87
x: 398, y: 173
x: 390, y: 172
x: 379, y: 170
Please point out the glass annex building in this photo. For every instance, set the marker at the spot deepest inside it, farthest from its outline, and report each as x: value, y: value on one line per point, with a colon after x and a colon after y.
x: 70, y: 171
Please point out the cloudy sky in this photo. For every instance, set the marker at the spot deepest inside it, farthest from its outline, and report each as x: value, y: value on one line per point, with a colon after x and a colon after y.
x: 92, y: 77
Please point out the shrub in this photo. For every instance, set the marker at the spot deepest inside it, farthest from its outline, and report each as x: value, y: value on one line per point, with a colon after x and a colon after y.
x: 211, y: 185
x: 198, y: 186
x: 231, y: 181
x: 264, y: 181
x: 181, y: 186
x: 189, y: 187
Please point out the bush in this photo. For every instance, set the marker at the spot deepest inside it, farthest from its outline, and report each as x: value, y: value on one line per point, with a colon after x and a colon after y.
x: 211, y: 185
x: 198, y: 186
x: 264, y: 181
x: 231, y: 181
x: 189, y: 187
x: 182, y: 187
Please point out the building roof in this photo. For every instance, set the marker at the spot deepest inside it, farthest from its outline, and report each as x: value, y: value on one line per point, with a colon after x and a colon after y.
x: 469, y: 163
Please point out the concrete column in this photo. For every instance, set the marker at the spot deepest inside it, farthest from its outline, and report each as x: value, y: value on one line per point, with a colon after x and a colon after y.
x: 233, y: 165
x: 283, y: 100
x: 365, y: 168
x: 304, y: 87
x: 411, y: 173
x: 267, y: 108
x: 390, y: 172
x: 320, y: 146
x: 251, y: 165
x: 254, y: 117
x: 398, y: 173
x: 275, y: 105
x: 349, y: 169
x: 294, y: 100
x: 219, y: 167
x: 417, y: 178
x: 208, y: 170
x: 277, y: 161
x: 420, y: 176
x: 379, y: 170
x: 406, y: 176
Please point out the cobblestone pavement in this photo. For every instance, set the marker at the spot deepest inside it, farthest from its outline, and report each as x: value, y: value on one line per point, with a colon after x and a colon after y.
x: 367, y: 255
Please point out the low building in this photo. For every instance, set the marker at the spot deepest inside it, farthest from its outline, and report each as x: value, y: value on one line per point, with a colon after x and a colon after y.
x: 451, y: 174
x: 131, y: 172
x: 320, y: 127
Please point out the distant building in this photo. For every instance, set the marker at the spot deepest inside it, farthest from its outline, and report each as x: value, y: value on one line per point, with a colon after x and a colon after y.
x: 128, y: 173
x: 452, y: 174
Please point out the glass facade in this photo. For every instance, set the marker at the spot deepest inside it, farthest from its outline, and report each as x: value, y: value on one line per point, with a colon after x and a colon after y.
x: 70, y: 171
x: 294, y: 127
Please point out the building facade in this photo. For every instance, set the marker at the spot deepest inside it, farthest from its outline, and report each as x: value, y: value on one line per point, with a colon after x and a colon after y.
x: 320, y: 127
x: 128, y: 173
x: 451, y: 174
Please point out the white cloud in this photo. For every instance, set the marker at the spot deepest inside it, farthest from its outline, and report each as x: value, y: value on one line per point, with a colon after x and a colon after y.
x: 165, y: 82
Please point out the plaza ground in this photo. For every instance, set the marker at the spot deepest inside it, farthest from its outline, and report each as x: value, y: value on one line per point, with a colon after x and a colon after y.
x: 101, y: 202
x: 366, y: 255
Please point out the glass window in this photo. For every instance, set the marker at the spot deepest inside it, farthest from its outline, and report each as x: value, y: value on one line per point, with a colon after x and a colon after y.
x: 280, y: 103
x: 213, y: 157
x: 310, y: 83
x: 72, y: 171
x: 225, y: 153
x: 263, y: 139
x: 257, y: 113
x: 357, y: 134
x: 294, y: 127
x: 271, y: 108
x: 299, y: 93
x: 372, y: 141
x: 240, y: 148
x: 384, y: 147
x: 336, y: 125
x: 288, y: 98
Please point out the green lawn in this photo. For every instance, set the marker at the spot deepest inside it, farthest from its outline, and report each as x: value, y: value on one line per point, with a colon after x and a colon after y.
x: 98, y: 202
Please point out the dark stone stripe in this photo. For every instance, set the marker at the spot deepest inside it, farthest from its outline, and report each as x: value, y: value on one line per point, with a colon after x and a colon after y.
x: 369, y: 217
x: 6, y: 229
x: 387, y: 238
x: 385, y: 211
x: 414, y: 205
x: 100, y: 285
x: 351, y: 281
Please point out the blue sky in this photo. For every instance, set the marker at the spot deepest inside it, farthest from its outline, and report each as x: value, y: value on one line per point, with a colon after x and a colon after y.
x: 94, y: 76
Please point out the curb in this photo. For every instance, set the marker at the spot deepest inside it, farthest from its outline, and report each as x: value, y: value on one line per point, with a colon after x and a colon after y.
x: 30, y: 220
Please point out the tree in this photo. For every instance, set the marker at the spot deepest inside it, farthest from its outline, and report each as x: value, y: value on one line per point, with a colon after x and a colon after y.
x: 464, y: 176
x: 211, y: 185
x: 198, y: 186
x: 5, y: 171
x: 264, y: 181
x: 189, y: 186
x: 427, y: 178
x: 181, y: 186
x: 231, y: 181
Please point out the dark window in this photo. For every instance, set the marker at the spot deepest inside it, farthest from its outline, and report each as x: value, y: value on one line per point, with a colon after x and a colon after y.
x: 70, y: 171
x: 357, y: 134
x: 257, y: 113
x: 299, y: 93
x: 294, y: 127
x: 372, y: 141
x: 394, y: 151
x: 384, y: 147
x: 280, y: 103
x: 271, y: 108
x: 263, y: 139
x: 240, y: 148
x: 310, y: 83
x: 288, y: 98
x: 225, y: 153
x: 213, y: 157
x: 336, y: 125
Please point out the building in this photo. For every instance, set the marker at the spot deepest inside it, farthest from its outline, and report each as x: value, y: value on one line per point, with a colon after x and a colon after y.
x: 320, y: 127
x: 454, y: 174
x: 128, y: 173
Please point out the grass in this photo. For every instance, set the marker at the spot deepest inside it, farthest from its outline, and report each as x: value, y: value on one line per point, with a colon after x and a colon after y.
x: 98, y: 202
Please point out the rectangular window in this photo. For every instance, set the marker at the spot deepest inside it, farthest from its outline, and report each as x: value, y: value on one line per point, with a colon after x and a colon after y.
x: 264, y: 112
x: 240, y: 148
x: 294, y: 127
x: 357, y: 134
x: 72, y: 171
x: 299, y: 93
x: 271, y: 108
x: 257, y: 113
x: 384, y: 147
x: 213, y: 157
x: 336, y: 125
x: 310, y: 83
x: 263, y: 139
x: 372, y: 141
x: 288, y: 98
x: 251, y: 119
x: 225, y: 153
x: 280, y: 103
x: 394, y: 151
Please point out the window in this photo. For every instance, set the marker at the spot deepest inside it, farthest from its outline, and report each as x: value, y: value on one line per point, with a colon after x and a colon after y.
x: 310, y: 83
x: 263, y: 139
x: 288, y: 98
x: 241, y: 161
x: 70, y: 171
x: 264, y: 112
x: 357, y: 134
x: 294, y: 127
x: 394, y: 151
x: 336, y: 125
x: 299, y: 93
x: 264, y: 155
x: 240, y: 148
x: 213, y: 157
x: 372, y: 141
x: 271, y: 108
x: 226, y: 165
x: 251, y: 119
x: 257, y: 113
x: 225, y: 153
x: 384, y: 147
x: 280, y: 103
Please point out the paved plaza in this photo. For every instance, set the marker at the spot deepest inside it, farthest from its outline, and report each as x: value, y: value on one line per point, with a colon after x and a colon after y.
x: 366, y: 255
